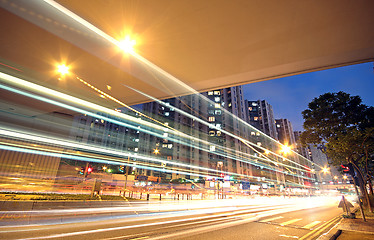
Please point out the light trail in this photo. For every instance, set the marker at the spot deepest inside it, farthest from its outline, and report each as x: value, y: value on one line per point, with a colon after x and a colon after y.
x: 85, y: 159
x: 96, y: 149
x: 154, y: 67
x: 51, y: 93
x: 238, y: 211
x: 175, y: 80
x: 246, y: 142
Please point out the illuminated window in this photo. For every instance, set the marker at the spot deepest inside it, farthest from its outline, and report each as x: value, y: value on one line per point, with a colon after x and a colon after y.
x: 229, y: 105
x: 258, y: 133
x: 217, y: 105
x: 217, y: 92
x: 254, y: 104
x: 170, y: 146
x: 218, y: 133
x: 259, y: 144
x: 211, y: 119
x: 212, y: 133
x: 253, y: 133
x: 218, y: 112
x: 250, y: 108
x: 212, y: 148
x: 255, y: 118
x: 210, y: 93
x: 217, y: 99
x: 167, y: 113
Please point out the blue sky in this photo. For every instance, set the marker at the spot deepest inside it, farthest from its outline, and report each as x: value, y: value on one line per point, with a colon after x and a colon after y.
x: 289, y: 96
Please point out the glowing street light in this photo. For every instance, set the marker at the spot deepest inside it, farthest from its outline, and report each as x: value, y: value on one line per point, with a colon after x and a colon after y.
x: 325, y: 170
x: 156, y: 151
x: 62, y: 69
x: 127, y: 44
x: 345, y: 177
x: 285, y: 149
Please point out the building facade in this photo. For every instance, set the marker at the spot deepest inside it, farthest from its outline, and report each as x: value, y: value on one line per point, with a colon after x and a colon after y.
x: 285, y: 132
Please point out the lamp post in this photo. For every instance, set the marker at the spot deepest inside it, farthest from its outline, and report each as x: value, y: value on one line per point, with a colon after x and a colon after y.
x: 219, y: 165
x: 126, y: 174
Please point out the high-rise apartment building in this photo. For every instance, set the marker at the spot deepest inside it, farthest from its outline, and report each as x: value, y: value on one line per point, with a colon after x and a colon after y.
x: 285, y: 132
x: 253, y: 113
x: 260, y: 115
x: 303, y: 151
x: 220, y: 109
x: 177, y: 151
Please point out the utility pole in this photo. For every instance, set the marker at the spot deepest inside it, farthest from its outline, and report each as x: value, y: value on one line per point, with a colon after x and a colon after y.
x: 126, y: 174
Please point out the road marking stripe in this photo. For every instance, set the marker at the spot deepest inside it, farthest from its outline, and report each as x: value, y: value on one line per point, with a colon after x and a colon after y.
x: 291, y: 221
x: 310, y: 225
x: 319, y: 232
x: 288, y: 236
x: 271, y: 219
x: 319, y: 227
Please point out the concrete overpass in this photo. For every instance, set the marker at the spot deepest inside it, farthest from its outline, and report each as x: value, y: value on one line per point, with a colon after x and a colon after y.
x: 203, y: 44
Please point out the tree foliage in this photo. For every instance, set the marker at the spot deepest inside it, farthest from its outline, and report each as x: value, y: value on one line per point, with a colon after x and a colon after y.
x: 342, y: 123
x: 344, y: 126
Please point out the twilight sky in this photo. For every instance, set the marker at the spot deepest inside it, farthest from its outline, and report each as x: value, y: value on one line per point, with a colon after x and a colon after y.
x: 289, y: 96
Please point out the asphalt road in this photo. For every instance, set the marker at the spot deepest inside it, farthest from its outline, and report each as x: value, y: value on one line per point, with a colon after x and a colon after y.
x: 225, y: 219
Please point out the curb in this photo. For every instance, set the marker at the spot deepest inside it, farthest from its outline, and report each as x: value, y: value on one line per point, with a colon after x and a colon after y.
x: 336, y: 235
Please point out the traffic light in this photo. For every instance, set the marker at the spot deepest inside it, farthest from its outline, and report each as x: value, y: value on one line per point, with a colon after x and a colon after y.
x: 81, y: 171
x: 89, y: 170
x: 349, y: 169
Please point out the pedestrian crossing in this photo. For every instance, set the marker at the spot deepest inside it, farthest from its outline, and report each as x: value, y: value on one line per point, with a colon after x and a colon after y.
x: 271, y: 219
x: 311, y: 225
x: 279, y: 220
x: 290, y: 221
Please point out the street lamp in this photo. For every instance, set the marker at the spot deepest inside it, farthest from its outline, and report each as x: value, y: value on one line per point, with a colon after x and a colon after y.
x: 220, y: 165
x: 62, y: 69
x: 156, y: 151
x: 285, y: 149
x: 127, y: 44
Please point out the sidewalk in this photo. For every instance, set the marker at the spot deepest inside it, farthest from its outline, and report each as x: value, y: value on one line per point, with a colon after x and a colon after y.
x: 356, y: 229
x: 352, y: 229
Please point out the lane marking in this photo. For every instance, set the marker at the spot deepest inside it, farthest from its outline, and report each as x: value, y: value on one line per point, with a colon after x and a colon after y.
x: 288, y: 236
x: 310, y: 225
x: 316, y: 231
x: 291, y: 221
x: 271, y: 219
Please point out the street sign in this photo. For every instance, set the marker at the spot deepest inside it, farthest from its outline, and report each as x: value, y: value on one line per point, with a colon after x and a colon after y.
x: 345, y: 204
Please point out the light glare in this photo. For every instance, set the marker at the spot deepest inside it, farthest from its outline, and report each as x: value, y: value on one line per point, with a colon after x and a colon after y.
x: 63, y: 69
x: 127, y: 44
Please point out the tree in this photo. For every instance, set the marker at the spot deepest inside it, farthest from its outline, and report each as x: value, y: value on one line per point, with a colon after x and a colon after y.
x: 345, y: 127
